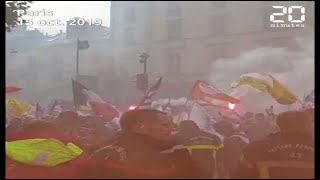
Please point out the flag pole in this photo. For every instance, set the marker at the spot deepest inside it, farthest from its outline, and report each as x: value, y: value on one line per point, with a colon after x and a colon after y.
x: 74, y: 102
x: 77, y: 60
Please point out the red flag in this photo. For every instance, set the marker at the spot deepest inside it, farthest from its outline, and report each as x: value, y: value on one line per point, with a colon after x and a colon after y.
x: 202, y: 89
x: 11, y: 89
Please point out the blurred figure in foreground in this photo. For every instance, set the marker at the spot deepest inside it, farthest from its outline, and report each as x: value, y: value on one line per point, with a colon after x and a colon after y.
x: 136, y: 151
x: 286, y: 154
x: 202, y: 146
x: 93, y: 133
x: 234, y: 141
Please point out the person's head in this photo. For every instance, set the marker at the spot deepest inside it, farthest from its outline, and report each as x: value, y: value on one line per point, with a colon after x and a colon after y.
x: 293, y: 121
x: 188, y: 126
x: 224, y: 128
x: 150, y: 122
x: 67, y: 120
x: 248, y: 115
x: 92, y: 131
x: 260, y: 117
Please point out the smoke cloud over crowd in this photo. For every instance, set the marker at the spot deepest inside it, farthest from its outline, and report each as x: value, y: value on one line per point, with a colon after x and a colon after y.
x: 295, y: 69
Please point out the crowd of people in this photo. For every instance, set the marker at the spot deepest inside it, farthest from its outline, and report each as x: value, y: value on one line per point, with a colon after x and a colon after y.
x: 147, y: 143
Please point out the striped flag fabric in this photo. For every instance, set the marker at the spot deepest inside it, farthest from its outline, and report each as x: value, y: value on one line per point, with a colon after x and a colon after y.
x: 203, y: 89
x: 208, y: 95
x: 98, y: 105
x: 147, y: 98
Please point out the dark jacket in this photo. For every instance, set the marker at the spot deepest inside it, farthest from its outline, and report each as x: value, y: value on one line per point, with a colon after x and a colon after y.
x: 228, y: 157
x: 287, y: 149
x: 195, y: 141
x: 131, y: 155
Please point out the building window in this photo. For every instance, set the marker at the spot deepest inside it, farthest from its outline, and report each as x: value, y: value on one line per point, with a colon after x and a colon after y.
x: 174, y: 9
x: 221, y: 51
x: 173, y: 64
x: 129, y: 36
x: 218, y: 4
x: 218, y: 24
x: 129, y: 14
x: 174, y: 29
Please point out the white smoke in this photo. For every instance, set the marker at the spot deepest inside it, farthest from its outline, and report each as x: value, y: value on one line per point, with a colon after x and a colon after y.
x: 295, y: 69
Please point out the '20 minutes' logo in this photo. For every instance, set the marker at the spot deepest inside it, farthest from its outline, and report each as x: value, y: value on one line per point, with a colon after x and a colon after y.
x: 288, y: 10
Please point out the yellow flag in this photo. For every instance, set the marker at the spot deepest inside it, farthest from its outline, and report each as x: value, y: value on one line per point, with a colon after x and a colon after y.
x: 255, y: 80
x: 16, y: 108
x: 281, y: 93
x: 44, y: 152
x: 272, y: 86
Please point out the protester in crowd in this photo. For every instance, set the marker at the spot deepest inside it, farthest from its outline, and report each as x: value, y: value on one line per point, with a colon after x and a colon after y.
x: 310, y: 114
x: 68, y: 123
x: 15, y: 125
x: 136, y: 151
x: 202, y: 146
x: 93, y: 133
x: 258, y: 127
x: 234, y: 141
x: 286, y: 154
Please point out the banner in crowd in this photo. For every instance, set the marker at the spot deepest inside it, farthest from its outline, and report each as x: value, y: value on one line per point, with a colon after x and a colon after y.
x: 16, y: 108
x: 147, y: 98
x: 209, y: 96
x: 98, y: 105
x: 203, y: 89
x: 281, y: 93
x: 11, y: 89
x: 270, y: 85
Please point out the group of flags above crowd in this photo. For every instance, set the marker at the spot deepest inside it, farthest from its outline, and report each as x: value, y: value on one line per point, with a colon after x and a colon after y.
x: 204, y: 94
